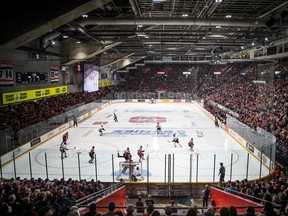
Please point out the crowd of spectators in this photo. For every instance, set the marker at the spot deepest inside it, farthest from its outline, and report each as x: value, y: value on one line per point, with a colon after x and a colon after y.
x: 256, y: 105
x: 43, y: 196
x: 20, y: 115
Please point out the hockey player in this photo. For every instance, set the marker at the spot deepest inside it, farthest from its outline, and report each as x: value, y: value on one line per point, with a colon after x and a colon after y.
x: 115, y: 118
x: 158, y: 128
x: 191, y: 144
x: 63, y: 149
x: 216, y: 121
x: 176, y: 140
x: 65, y: 138
x: 127, y: 155
x: 140, y: 153
x: 101, y: 129
x: 92, y: 154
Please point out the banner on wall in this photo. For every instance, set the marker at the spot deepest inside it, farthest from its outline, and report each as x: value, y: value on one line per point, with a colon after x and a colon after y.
x: 54, y: 74
x: 15, y: 97
x: 105, y: 83
x: 6, y: 74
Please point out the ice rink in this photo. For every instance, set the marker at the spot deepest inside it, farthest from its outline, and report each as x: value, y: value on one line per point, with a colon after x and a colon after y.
x: 136, y: 126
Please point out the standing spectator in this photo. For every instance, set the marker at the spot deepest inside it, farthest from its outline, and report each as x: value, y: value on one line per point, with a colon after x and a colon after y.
x: 221, y: 172
x: 205, y: 195
x: 140, y: 205
x: 92, y: 210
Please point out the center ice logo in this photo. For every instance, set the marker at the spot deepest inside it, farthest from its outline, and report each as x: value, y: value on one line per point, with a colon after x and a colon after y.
x: 145, y: 119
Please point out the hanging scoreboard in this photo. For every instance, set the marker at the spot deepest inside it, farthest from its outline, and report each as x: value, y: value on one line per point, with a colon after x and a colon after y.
x: 6, y: 74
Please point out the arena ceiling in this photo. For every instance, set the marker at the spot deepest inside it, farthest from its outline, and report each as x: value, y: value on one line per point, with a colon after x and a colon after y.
x: 112, y: 30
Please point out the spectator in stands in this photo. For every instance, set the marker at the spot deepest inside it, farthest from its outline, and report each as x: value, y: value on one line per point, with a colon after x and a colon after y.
x: 74, y: 211
x: 250, y: 211
x: 149, y: 200
x: 41, y: 202
x: 92, y: 210
x: 61, y: 204
x: 140, y: 205
x: 268, y: 209
x: 100, y: 185
x: 150, y: 208
x: 173, y: 207
x: 224, y: 211
x: 46, y: 211
x: 111, y: 209
x: 168, y: 210
x: 15, y: 205
x: 212, y: 210
x: 155, y: 213
x: 232, y: 211
x: 29, y: 210
x: 191, y: 212
x: 130, y: 210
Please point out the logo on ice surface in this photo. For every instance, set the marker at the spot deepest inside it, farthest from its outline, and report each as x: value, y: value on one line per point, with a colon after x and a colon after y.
x: 165, y: 133
x: 145, y: 119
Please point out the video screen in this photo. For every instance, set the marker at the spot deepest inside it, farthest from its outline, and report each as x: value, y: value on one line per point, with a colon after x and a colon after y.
x: 91, y: 77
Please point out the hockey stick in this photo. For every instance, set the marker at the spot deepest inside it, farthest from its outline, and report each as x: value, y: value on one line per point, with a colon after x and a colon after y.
x: 146, y: 147
x: 71, y: 148
x: 169, y: 141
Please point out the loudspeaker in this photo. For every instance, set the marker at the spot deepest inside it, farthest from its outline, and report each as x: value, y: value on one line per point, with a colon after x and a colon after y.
x: 270, y: 22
